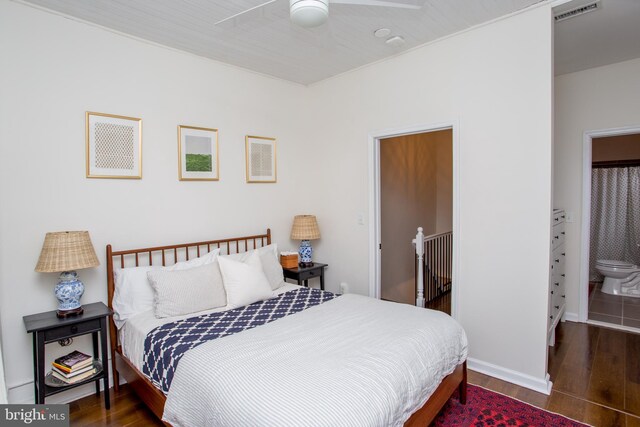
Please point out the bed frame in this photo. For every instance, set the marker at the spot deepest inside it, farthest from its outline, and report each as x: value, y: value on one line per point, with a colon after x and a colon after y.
x: 171, y: 254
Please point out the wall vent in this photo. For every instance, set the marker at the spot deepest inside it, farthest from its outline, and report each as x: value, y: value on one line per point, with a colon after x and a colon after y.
x: 577, y: 11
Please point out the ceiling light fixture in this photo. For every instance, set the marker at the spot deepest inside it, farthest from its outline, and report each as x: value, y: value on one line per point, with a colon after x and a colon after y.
x: 382, y: 33
x: 309, y: 13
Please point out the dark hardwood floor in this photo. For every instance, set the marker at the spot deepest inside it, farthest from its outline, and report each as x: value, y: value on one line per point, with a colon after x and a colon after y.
x: 595, y: 373
x: 126, y: 411
x: 441, y: 303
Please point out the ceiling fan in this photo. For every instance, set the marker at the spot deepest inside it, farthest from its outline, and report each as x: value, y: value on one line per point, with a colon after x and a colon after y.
x: 312, y: 13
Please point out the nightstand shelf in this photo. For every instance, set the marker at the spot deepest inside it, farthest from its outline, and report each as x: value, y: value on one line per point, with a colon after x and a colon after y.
x: 303, y: 274
x: 47, y: 327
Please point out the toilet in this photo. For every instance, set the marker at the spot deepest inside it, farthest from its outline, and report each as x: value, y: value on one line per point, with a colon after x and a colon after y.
x: 620, y: 278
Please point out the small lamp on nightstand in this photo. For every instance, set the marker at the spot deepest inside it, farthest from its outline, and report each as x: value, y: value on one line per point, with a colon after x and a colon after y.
x: 305, y: 228
x: 63, y: 252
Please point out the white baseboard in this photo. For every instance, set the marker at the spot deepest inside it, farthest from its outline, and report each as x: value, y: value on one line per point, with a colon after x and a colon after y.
x: 571, y: 317
x: 541, y: 385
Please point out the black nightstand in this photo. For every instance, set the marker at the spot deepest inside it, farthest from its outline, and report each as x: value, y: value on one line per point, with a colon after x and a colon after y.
x: 47, y: 327
x: 303, y: 274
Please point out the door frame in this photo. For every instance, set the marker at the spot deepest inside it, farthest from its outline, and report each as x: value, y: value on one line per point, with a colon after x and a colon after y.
x: 374, y: 204
x: 583, y: 284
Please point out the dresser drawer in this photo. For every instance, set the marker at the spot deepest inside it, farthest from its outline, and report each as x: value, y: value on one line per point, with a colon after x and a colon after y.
x: 557, y: 235
x: 66, y: 331
x: 553, y: 315
x: 556, y: 303
x: 557, y: 285
x: 558, y: 300
x: 558, y: 217
x: 555, y: 309
x: 558, y: 258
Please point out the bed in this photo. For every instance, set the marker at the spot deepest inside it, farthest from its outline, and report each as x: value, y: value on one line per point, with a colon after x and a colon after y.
x: 320, y: 356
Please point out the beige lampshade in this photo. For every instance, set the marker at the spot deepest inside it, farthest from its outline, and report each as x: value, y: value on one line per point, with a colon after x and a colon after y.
x: 305, y: 227
x: 66, y: 251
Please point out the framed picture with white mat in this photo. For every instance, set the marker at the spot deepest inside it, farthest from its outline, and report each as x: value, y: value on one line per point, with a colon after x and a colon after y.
x: 260, y: 152
x: 198, y: 154
x: 114, y: 146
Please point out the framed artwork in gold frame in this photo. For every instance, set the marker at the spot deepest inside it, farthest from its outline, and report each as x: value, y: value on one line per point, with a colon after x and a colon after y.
x: 198, y: 154
x: 260, y: 156
x: 114, y: 146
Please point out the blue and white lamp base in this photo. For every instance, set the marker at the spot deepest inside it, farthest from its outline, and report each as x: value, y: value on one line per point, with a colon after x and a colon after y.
x: 68, y: 292
x: 305, y: 252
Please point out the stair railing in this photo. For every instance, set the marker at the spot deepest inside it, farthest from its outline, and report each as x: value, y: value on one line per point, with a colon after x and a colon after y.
x: 433, y: 265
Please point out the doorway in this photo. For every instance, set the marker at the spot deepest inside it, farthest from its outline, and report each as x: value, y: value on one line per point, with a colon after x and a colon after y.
x: 614, y: 229
x: 610, y: 228
x: 415, y: 178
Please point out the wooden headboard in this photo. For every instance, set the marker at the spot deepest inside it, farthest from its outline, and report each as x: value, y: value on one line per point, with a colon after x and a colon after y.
x: 169, y: 255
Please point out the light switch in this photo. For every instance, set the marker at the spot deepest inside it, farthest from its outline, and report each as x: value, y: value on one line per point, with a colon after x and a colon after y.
x: 569, y: 217
x: 360, y: 219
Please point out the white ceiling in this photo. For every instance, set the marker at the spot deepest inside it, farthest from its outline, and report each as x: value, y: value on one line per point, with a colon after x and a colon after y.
x: 267, y: 42
x: 606, y: 36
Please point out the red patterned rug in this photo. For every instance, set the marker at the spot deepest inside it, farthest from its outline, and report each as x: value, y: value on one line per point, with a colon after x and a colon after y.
x: 486, y: 408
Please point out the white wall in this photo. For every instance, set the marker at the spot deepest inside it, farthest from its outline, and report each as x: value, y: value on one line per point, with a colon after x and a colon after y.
x: 599, y: 98
x: 53, y: 70
x: 3, y: 384
x: 496, y: 82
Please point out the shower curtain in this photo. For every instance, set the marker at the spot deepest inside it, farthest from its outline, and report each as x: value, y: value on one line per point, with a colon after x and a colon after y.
x: 615, y: 216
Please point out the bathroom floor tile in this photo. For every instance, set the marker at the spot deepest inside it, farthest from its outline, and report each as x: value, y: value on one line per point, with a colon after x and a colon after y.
x: 601, y: 296
x: 616, y: 320
x: 631, y: 301
x: 611, y: 308
x: 631, y: 311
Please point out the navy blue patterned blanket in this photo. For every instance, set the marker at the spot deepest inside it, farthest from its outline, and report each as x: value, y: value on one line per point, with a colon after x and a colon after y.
x: 166, y: 344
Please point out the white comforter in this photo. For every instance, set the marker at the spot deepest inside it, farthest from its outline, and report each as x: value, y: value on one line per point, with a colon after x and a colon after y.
x: 352, y: 361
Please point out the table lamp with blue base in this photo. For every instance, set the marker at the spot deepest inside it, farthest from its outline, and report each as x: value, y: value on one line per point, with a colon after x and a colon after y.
x: 64, y: 252
x: 305, y: 228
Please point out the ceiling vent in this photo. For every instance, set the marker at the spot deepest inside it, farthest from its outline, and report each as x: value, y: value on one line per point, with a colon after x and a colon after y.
x: 577, y: 11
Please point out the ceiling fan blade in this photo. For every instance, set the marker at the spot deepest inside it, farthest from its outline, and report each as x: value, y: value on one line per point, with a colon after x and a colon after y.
x: 244, y: 12
x: 376, y: 3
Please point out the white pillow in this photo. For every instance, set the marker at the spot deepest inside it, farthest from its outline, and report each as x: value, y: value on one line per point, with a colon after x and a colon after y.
x: 187, y: 291
x: 133, y: 294
x: 244, y: 282
x: 196, y: 262
x: 270, y: 263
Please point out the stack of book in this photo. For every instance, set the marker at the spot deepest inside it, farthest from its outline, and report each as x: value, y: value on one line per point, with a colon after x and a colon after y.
x: 74, y: 367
